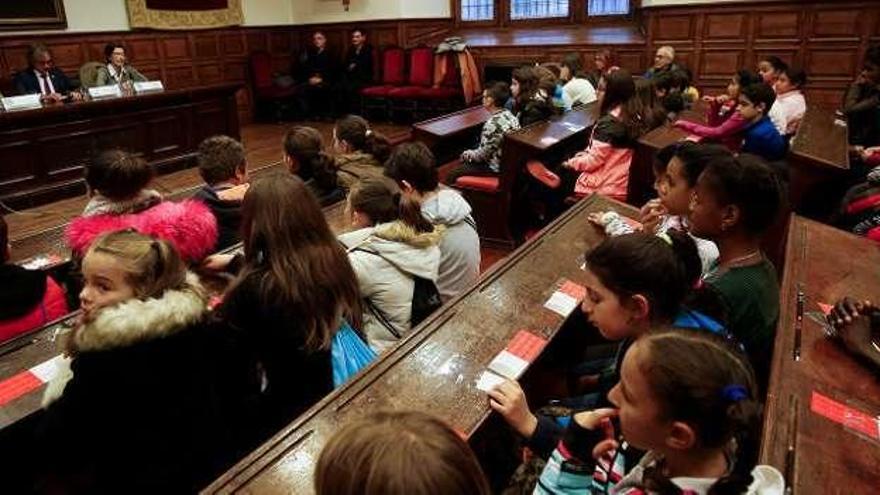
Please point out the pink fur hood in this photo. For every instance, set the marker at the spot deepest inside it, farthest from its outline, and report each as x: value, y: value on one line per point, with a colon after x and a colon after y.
x: 189, y: 225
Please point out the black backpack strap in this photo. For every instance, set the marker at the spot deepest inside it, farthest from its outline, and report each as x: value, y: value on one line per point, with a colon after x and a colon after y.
x: 470, y: 221
x: 378, y: 313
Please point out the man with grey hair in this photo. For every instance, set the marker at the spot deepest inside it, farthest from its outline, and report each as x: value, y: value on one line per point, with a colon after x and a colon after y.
x: 42, y: 77
x: 664, y: 61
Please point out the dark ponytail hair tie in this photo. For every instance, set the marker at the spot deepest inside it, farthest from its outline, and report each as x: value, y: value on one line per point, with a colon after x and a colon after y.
x: 734, y: 393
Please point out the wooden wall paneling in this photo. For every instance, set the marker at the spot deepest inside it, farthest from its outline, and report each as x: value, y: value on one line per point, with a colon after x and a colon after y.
x: 673, y: 28
x: 257, y: 41
x: 837, y: 61
x: 175, y: 47
x: 720, y: 63
x: 778, y: 25
x: 206, y: 46
x: 835, y: 23
x: 232, y: 44
x: 68, y: 56
x: 729, y: 27
x: 141, y: 50
x: 209, y: 73
x: 24, y: 176
x: 630, y: 59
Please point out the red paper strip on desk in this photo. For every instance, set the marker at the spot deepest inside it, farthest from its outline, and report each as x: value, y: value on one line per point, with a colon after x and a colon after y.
x: 22, y: 383
x: 825, y: 308
x: 843, y: 414
x: 526, y: 345
x: 574, y: 290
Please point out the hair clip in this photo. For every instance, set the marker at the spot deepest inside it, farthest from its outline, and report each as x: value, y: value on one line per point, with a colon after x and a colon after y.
x: 734, y: 393
x: 665, y: 237
x: 369, y: 132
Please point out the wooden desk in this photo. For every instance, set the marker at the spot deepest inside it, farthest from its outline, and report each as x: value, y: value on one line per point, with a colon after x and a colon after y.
x: 44, y: 150
x: 40, y: 345
x: 818, y: 158
x: 550, y: 141
x: 435, y: 368
x: 449, y: 135
x: 827, y: 264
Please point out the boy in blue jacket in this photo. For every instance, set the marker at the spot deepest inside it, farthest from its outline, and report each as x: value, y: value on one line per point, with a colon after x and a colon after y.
x: 761, y: 136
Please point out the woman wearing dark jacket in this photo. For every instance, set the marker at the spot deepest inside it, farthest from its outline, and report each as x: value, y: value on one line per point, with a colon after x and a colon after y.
x: 294, y: 289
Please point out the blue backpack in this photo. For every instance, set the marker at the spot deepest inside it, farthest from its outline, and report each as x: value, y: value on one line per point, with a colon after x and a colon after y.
x: 349, y: 354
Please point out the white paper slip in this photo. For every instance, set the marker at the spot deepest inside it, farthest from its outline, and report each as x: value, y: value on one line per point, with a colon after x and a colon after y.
x: 561, y: 303
x: 47, y: 370
x: 508, y: 365
x: 488, y: 381
x: 548, y: 140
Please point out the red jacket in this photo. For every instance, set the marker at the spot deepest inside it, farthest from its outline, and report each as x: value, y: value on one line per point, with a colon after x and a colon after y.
x: 29, y: 300
x: 188, y: 225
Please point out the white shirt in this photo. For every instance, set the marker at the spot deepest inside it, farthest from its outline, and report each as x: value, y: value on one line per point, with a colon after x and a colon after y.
x: 787, y: 112
x: 48, y: 82
x: 116, y: 75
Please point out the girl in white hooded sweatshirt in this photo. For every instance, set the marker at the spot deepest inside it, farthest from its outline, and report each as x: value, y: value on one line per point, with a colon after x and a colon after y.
x: 393, y: 246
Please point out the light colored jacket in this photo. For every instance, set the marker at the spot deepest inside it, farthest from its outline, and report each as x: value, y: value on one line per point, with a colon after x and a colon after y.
x: 129, y: 73
x: 460, y: 246
x: 578, y: 91
x: 604, y: 165
x: 385, y: 259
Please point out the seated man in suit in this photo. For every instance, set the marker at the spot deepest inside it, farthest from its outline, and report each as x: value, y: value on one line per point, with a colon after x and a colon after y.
x: 316, y: 78
x: 43, y: 77
x: 117, y: 71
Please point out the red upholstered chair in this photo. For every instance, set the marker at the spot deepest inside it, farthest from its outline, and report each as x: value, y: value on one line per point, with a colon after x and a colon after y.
x: 421, y: 78
x: 268, y: 96
x: 491, y: 198
x: 376, y: 97
x: 447, y: 96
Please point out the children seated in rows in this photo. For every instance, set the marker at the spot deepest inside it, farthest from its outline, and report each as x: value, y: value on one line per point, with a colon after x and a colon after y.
x: 118, y: 181
x: 760, y: 136
x: 486, y: 158
x: 360, y: 151
x: 603, y: 167
x: 723, y: 123
x: 294, y: 291
x: 223, y: 167
x: 413, y: 167
x: 790, y: 106
x: 28, y: 298
x: 304, y: 156
x: 530, y: 104
x: 735, y: 202
x: 398, y: 453
x: 676, y: 171
x: 395, y: 255
x: 141, y: 402
x: 686, y: 418
x: 577, y: 89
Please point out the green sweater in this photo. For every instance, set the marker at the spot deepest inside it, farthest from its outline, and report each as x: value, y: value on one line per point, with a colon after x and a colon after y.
x: 749, y: 295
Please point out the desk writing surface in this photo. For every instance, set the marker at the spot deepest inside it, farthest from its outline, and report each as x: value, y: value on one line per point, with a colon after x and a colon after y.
x: 41, y: 345
x: 827, y: 264
x: 822, y: 142
x: 436, y: 367
x: 446, y: 125
x: 543, y: 135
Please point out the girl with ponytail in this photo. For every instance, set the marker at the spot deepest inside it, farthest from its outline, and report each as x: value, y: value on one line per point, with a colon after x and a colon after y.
x: 361, y: 152
x: 690, y: 401
x: 396, y: 257
x: 634, y: 282
x: 304, y: 156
